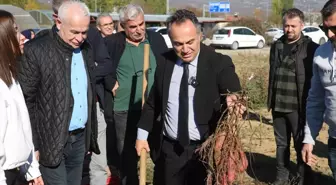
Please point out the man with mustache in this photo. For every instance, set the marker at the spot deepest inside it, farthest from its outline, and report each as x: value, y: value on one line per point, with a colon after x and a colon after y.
x: 126, y: 49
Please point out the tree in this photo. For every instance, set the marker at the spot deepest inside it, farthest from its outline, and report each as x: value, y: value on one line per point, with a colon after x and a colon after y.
x: 277, y: 10
x: 32, y: 5
x: 287, y: 4
x: 106, y: 5
x: 197, y: 11
x: 18, y: 3
x: 152, y: 6
x: 157, y: 6
x: 258, y: 14
x: 278, y: 7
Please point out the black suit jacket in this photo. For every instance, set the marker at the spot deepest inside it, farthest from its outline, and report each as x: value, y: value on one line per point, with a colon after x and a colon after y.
x: 215, y: 76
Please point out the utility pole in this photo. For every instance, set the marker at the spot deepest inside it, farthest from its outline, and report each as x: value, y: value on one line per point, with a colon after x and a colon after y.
x: 167, y: 7
x: 267, y: 15
x: 96, y: 6
x: 205, y: 9
x: 203, y: 14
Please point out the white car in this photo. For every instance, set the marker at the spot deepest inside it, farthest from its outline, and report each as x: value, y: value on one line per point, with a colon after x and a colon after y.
x: 315, y: 33
x: 164, y: 32
x: 237, y: 37
x: 273, y: 31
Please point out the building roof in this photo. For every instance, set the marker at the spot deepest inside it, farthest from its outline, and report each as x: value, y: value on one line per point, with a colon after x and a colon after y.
x: 161, y: 17
x: 22, y: 17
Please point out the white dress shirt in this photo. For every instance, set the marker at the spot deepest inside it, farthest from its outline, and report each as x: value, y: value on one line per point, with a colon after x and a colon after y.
x: 171, y: 114
x: 16, y: 142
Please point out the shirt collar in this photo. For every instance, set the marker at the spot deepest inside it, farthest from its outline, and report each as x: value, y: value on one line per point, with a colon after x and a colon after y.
x: 193, y: 63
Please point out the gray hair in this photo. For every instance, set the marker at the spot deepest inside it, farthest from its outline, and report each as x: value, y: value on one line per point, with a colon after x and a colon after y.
x: 56, y: 5
x: 129, y: 12
x: 104, y: 14
x: 64, y: 9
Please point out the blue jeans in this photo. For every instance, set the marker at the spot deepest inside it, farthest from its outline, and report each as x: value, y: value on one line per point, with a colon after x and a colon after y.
x: 332, y: 155
x: 69, y: 171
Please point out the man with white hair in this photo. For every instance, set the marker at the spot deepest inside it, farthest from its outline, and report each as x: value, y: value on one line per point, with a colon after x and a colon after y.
x: 105, y: 24
x: 126, y: 49
x: 56, y: 75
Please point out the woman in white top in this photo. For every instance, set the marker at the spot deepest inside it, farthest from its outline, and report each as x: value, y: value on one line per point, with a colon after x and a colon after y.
x: 16, y: 146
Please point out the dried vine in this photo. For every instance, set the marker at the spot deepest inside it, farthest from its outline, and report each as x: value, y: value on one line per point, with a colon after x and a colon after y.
x: 222, y: 152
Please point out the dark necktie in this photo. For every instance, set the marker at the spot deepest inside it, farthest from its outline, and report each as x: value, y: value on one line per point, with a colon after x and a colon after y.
x: 183, y: 129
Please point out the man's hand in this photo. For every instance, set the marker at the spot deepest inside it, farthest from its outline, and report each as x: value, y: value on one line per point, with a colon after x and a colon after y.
x: 37, y: 181
x: 108, y: 171
x: 37, y: 155
x: 116, y: 86
x: 307, y: 154
x: 140, y: 145
x: 234, y: 105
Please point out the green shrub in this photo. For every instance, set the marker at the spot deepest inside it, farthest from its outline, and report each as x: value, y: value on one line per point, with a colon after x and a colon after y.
x: 252, y: 23
x: 253, y: 74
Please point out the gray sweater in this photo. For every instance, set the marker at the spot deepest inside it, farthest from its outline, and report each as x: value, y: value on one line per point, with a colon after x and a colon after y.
x: 321, y: 102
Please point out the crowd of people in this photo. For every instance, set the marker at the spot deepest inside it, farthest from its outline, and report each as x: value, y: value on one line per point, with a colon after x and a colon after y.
x: 74, y: 93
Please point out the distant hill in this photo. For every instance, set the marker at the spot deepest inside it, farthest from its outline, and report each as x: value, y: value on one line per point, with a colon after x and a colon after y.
x: 244, y: 7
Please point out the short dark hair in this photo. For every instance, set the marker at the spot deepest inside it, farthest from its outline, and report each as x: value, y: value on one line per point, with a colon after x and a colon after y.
x: 328, y: 9
x: 292, y: 13
x: 182, y: 15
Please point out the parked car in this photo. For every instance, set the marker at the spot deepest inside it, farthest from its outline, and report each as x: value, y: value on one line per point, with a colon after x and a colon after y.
x: 271, y: 32
x: 164, y: 32
x: 237, y: 37
x: 315, y: 33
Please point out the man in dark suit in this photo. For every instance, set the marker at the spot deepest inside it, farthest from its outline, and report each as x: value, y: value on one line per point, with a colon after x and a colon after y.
x: 187, y: 93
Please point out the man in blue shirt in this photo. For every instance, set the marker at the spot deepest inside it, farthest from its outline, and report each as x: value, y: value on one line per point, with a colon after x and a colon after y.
x: 56, y: 75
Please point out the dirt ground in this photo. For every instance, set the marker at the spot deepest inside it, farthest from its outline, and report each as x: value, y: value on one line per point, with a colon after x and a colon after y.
x: 258, y: 135
x: 260, y: 147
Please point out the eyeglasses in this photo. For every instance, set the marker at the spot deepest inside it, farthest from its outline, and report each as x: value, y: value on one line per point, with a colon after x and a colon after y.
x: 107, y: 24
x: 325, y: 29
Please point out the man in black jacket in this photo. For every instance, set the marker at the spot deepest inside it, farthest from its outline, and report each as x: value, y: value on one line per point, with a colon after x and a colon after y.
x: 291, y: 60
x: 187, y: 94
x: 56, y: 75
x: 127, y: 52
x: 103, y: 67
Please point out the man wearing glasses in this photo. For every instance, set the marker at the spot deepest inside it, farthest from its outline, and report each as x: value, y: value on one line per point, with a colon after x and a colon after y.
x: 126, y: 49
x: 105, y: 24
x: 321, y: 103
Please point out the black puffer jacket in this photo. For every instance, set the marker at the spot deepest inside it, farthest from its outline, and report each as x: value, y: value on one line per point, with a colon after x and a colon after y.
x: 45, y: 77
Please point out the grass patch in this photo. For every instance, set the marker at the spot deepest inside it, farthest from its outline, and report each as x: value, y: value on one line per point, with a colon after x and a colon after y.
x: 253, y: 70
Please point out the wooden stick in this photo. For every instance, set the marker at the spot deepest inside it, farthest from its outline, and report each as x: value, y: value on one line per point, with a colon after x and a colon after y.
x: 145, y: 73
x: 143, y: 155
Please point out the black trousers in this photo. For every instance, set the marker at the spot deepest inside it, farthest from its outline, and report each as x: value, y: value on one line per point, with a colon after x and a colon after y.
x: 177, y: 167
x: 12, y: 176
x: 125, y: 125
x: 287, y: 125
